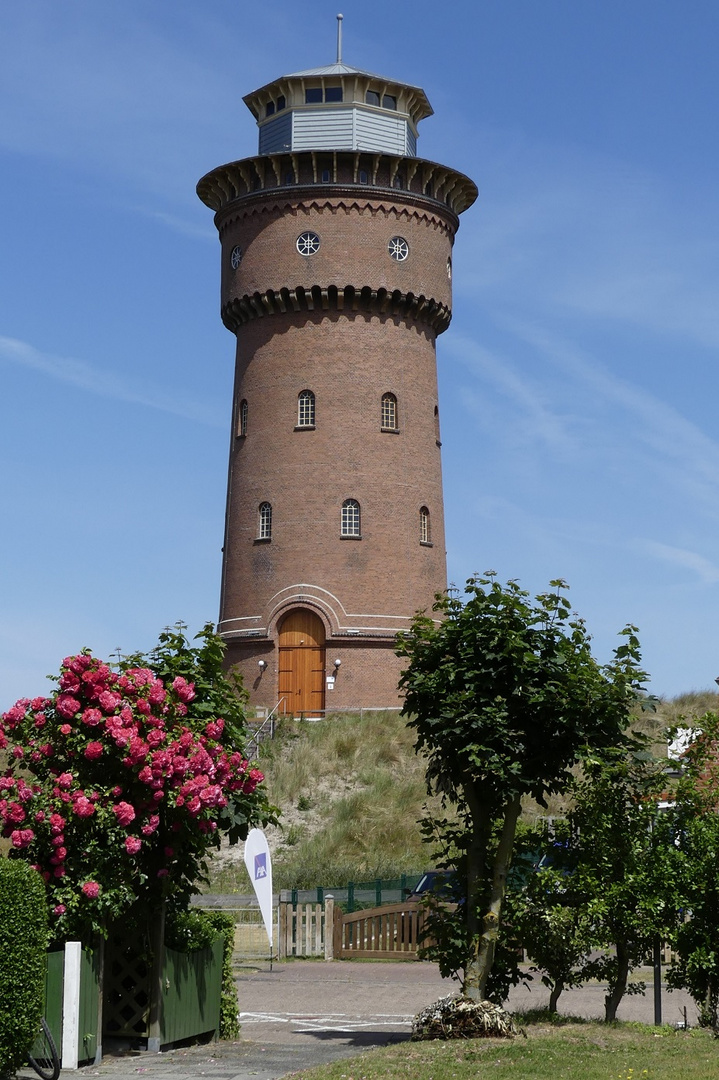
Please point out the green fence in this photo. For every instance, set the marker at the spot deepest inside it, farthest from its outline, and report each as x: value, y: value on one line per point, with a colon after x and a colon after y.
x: 192, y: 985
x: 357, y: 894
x: 53, y: 994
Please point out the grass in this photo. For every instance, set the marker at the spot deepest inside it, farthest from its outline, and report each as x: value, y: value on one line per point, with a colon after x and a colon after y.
x: 351, y: 790
x: 572, y: 1051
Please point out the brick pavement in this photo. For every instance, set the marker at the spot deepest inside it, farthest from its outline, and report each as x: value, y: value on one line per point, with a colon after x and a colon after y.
x: 305, y: 1013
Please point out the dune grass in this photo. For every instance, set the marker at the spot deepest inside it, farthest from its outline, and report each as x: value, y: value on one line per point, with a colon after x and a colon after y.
x: 572, y: 1051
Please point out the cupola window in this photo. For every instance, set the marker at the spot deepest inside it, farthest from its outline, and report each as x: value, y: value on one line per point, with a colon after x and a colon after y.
x: 372, y: 97
x: 389, y: 102
x: 313, y: 95
x: 333, y: 93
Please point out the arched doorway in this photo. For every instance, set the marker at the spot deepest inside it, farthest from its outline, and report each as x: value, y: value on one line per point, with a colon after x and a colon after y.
x: 302, y: 662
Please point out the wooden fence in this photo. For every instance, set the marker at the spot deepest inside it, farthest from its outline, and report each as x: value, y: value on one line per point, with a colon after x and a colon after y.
x: 391, y: 932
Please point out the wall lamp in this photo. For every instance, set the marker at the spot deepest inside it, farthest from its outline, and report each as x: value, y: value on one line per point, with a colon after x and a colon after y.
x: 262, y: 664
x: 337, y: 664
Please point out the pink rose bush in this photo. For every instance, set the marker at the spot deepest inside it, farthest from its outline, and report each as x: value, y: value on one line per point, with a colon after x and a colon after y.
x: 119, y: 782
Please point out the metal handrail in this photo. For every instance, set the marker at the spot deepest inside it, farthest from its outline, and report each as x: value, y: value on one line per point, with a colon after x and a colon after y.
x: 256, y: 738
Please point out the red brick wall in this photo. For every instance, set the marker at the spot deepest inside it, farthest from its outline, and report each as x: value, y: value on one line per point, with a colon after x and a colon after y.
x: 348, y: 359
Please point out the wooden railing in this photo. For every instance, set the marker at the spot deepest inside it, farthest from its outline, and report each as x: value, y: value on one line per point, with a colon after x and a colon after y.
x: 391, y: 932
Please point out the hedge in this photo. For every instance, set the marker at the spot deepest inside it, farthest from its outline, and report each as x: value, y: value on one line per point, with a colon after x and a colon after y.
x: 23, y: 946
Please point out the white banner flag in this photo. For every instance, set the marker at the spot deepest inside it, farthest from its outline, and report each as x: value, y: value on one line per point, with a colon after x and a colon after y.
x: 259, y: 867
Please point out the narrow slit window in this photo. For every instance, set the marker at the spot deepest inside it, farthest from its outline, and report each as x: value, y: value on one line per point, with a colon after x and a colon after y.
x: 306, y: 409
x: 242, y: 419
x: 425, y: 536
x: 350, y: 518
x: 264, y: 528
x: 389, y: 412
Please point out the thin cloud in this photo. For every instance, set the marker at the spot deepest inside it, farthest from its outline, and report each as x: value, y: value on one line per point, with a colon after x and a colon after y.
x: 688, y: 560
x: 94, y: 381
x: 671, y: 437
x: 541, y: 422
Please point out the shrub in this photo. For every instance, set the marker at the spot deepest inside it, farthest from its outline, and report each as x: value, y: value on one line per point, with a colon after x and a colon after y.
x: 120, y: 782
x: 23, y: 944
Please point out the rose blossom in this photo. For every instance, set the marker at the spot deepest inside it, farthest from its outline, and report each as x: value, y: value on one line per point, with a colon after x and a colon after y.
x: 83, y: 807
x: 65, y: 729
x: 59, y: 909
x: 91, y: 889
x: 124, y: 813
x: 92, y: 717
x: 132, y: 844
x: 93, y: 751
x: 67, y: 705
x: 184, y: 690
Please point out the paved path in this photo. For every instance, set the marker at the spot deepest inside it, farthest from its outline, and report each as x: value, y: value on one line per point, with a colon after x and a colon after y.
x: 305, y: 1013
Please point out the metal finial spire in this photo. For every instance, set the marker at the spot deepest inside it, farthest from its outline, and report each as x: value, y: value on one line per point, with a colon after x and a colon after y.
x: 339, y: 38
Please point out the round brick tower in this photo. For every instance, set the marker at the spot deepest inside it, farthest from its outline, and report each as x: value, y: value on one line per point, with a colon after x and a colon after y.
x: 336, y: 280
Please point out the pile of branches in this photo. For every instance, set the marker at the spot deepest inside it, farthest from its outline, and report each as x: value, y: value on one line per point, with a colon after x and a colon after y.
x: 461, y: 1018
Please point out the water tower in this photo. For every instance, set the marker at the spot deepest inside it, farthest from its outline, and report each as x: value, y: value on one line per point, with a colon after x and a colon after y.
x: 336, y: 280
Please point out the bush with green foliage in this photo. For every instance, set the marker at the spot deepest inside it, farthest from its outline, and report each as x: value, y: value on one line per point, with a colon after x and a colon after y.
x: 23, y: 944
x: 120, y: 782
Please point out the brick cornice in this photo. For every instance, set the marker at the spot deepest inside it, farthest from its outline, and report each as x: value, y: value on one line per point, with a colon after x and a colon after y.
x: 348, y: 299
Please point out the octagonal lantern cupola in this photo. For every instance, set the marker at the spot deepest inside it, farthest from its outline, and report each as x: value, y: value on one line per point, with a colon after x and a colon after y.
x: 338, y: 108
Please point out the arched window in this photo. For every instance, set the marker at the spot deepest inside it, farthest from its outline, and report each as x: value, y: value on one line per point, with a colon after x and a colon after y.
x: 425, y: 536
x: 264, y: 524
x: 242, y: 419
x: 350, y: 518
x: 389, y: 412
x: 306, y: 409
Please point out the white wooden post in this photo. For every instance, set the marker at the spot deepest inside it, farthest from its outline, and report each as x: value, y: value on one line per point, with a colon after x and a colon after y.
x: 329, y: 927
x: 71, y: 1005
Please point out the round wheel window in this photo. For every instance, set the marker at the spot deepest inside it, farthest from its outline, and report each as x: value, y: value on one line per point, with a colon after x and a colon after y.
x: 236, y: 257
x: 398, y: 248
x: 308, y: 243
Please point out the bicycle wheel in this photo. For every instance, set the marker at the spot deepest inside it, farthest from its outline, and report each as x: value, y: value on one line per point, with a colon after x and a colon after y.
x: 43, y: 1056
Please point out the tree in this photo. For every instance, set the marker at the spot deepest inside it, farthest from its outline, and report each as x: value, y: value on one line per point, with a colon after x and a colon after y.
x: 554, y: 929
x: 121, y: 781
x: 504, y: 696
x: 625, y: 872
x: 695, y: 825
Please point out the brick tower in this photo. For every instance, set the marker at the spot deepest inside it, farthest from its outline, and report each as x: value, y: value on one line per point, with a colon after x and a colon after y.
x: 336, y: 280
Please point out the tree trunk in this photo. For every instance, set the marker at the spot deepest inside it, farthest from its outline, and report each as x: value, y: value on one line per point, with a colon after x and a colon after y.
x: 483, y: 937
x: 617, y: 988
x: 554, y: 996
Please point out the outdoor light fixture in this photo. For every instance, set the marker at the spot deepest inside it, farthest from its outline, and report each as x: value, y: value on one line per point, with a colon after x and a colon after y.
x: 337, y: 663
x: 262, y: 664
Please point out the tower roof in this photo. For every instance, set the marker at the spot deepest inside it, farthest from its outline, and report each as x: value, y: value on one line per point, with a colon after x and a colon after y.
x: 338, y: 107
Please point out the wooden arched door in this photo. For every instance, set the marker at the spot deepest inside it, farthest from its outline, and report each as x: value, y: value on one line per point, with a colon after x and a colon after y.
x: 302, y: 662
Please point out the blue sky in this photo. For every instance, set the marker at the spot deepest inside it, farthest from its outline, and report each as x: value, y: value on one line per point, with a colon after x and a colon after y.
x: 578, y: 381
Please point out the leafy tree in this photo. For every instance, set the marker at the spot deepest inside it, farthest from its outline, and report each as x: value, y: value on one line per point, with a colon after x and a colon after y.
x: 505, y: 696
x: 554, y: 929
x: 626, y: 873
x: 696, y: 837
